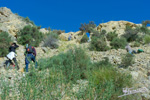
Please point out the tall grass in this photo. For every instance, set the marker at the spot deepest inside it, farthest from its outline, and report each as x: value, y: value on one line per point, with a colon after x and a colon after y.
x: 69, y: 76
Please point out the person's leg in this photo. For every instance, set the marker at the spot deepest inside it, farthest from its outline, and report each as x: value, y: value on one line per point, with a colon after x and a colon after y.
x: 34, y: 60
x: 8, y: 63
x: 130, y: 52
x: 134, y: 52
x: 27, y: 64
x: 27, y: 61
x: 14, y: 59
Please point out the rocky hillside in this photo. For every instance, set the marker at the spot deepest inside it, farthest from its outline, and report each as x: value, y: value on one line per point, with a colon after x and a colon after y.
x: 140, y: 70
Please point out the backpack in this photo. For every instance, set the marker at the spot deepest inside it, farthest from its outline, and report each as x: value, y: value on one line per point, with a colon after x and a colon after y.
x: 29, y: 49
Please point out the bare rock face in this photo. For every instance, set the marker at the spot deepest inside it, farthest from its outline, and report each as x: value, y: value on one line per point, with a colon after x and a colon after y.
x: 10, y: 22
x: 118, y: 26
x: 43, y: 30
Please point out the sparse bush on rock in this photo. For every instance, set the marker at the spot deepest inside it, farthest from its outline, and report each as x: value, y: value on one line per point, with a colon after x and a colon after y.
x: 5, y: 41
x: 51, y: 41
x: 127, y: 60
x: 30, y: 35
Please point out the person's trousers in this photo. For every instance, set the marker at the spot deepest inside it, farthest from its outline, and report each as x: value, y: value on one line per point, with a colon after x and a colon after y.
x: 8, y: 62
x: 28, y: 59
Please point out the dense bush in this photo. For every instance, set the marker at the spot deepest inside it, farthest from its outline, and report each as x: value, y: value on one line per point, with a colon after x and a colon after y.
x: 98, y: 41
x: 117, y: 43
x: 98, y: 44
x: 51, y: 41
x: 147, y: 39
x: 107, y: 81
x: 111, y: 35
x: 87, y: 27
x: 130, y: 34
x: 84, y: 38
x: 5, y: 41
x: 127, y: 60
x: 30, y: 35
x: 73, y: 64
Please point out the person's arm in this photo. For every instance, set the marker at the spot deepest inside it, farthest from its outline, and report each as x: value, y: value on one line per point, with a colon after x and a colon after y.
x: 16, y: 46
x: 34, y: 51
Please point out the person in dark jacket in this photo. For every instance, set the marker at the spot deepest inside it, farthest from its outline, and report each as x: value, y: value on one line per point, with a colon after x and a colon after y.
x: 12, y: 48
x: 30, y: 56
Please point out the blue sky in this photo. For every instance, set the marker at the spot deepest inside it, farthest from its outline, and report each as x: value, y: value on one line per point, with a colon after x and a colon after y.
x: 69, y: 14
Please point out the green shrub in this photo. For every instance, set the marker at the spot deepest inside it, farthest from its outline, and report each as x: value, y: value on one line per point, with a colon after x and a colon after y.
x: 136, y: 44
x: 147, y: 39
x: 51, y: 41
x: 98, y: 41
x: 127, y: 60
x: 87, y: 27
x: 5, y: 41
x: 130, y: 34
x: 98, y: 44
x: 108, y: 82
x: 117, y: 43
x: 73, y: 64
x: 111, y: 35
x: 84, y: 39
x: 30, y: 35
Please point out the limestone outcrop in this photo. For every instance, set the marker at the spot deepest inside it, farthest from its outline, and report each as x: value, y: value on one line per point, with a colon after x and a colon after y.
x: 10, y: 22
x: 118, y: 26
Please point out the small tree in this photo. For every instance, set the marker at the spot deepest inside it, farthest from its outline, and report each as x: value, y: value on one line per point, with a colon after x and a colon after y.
x: 144, y: 23
x: 5, y: 41
x: 87, y: 27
